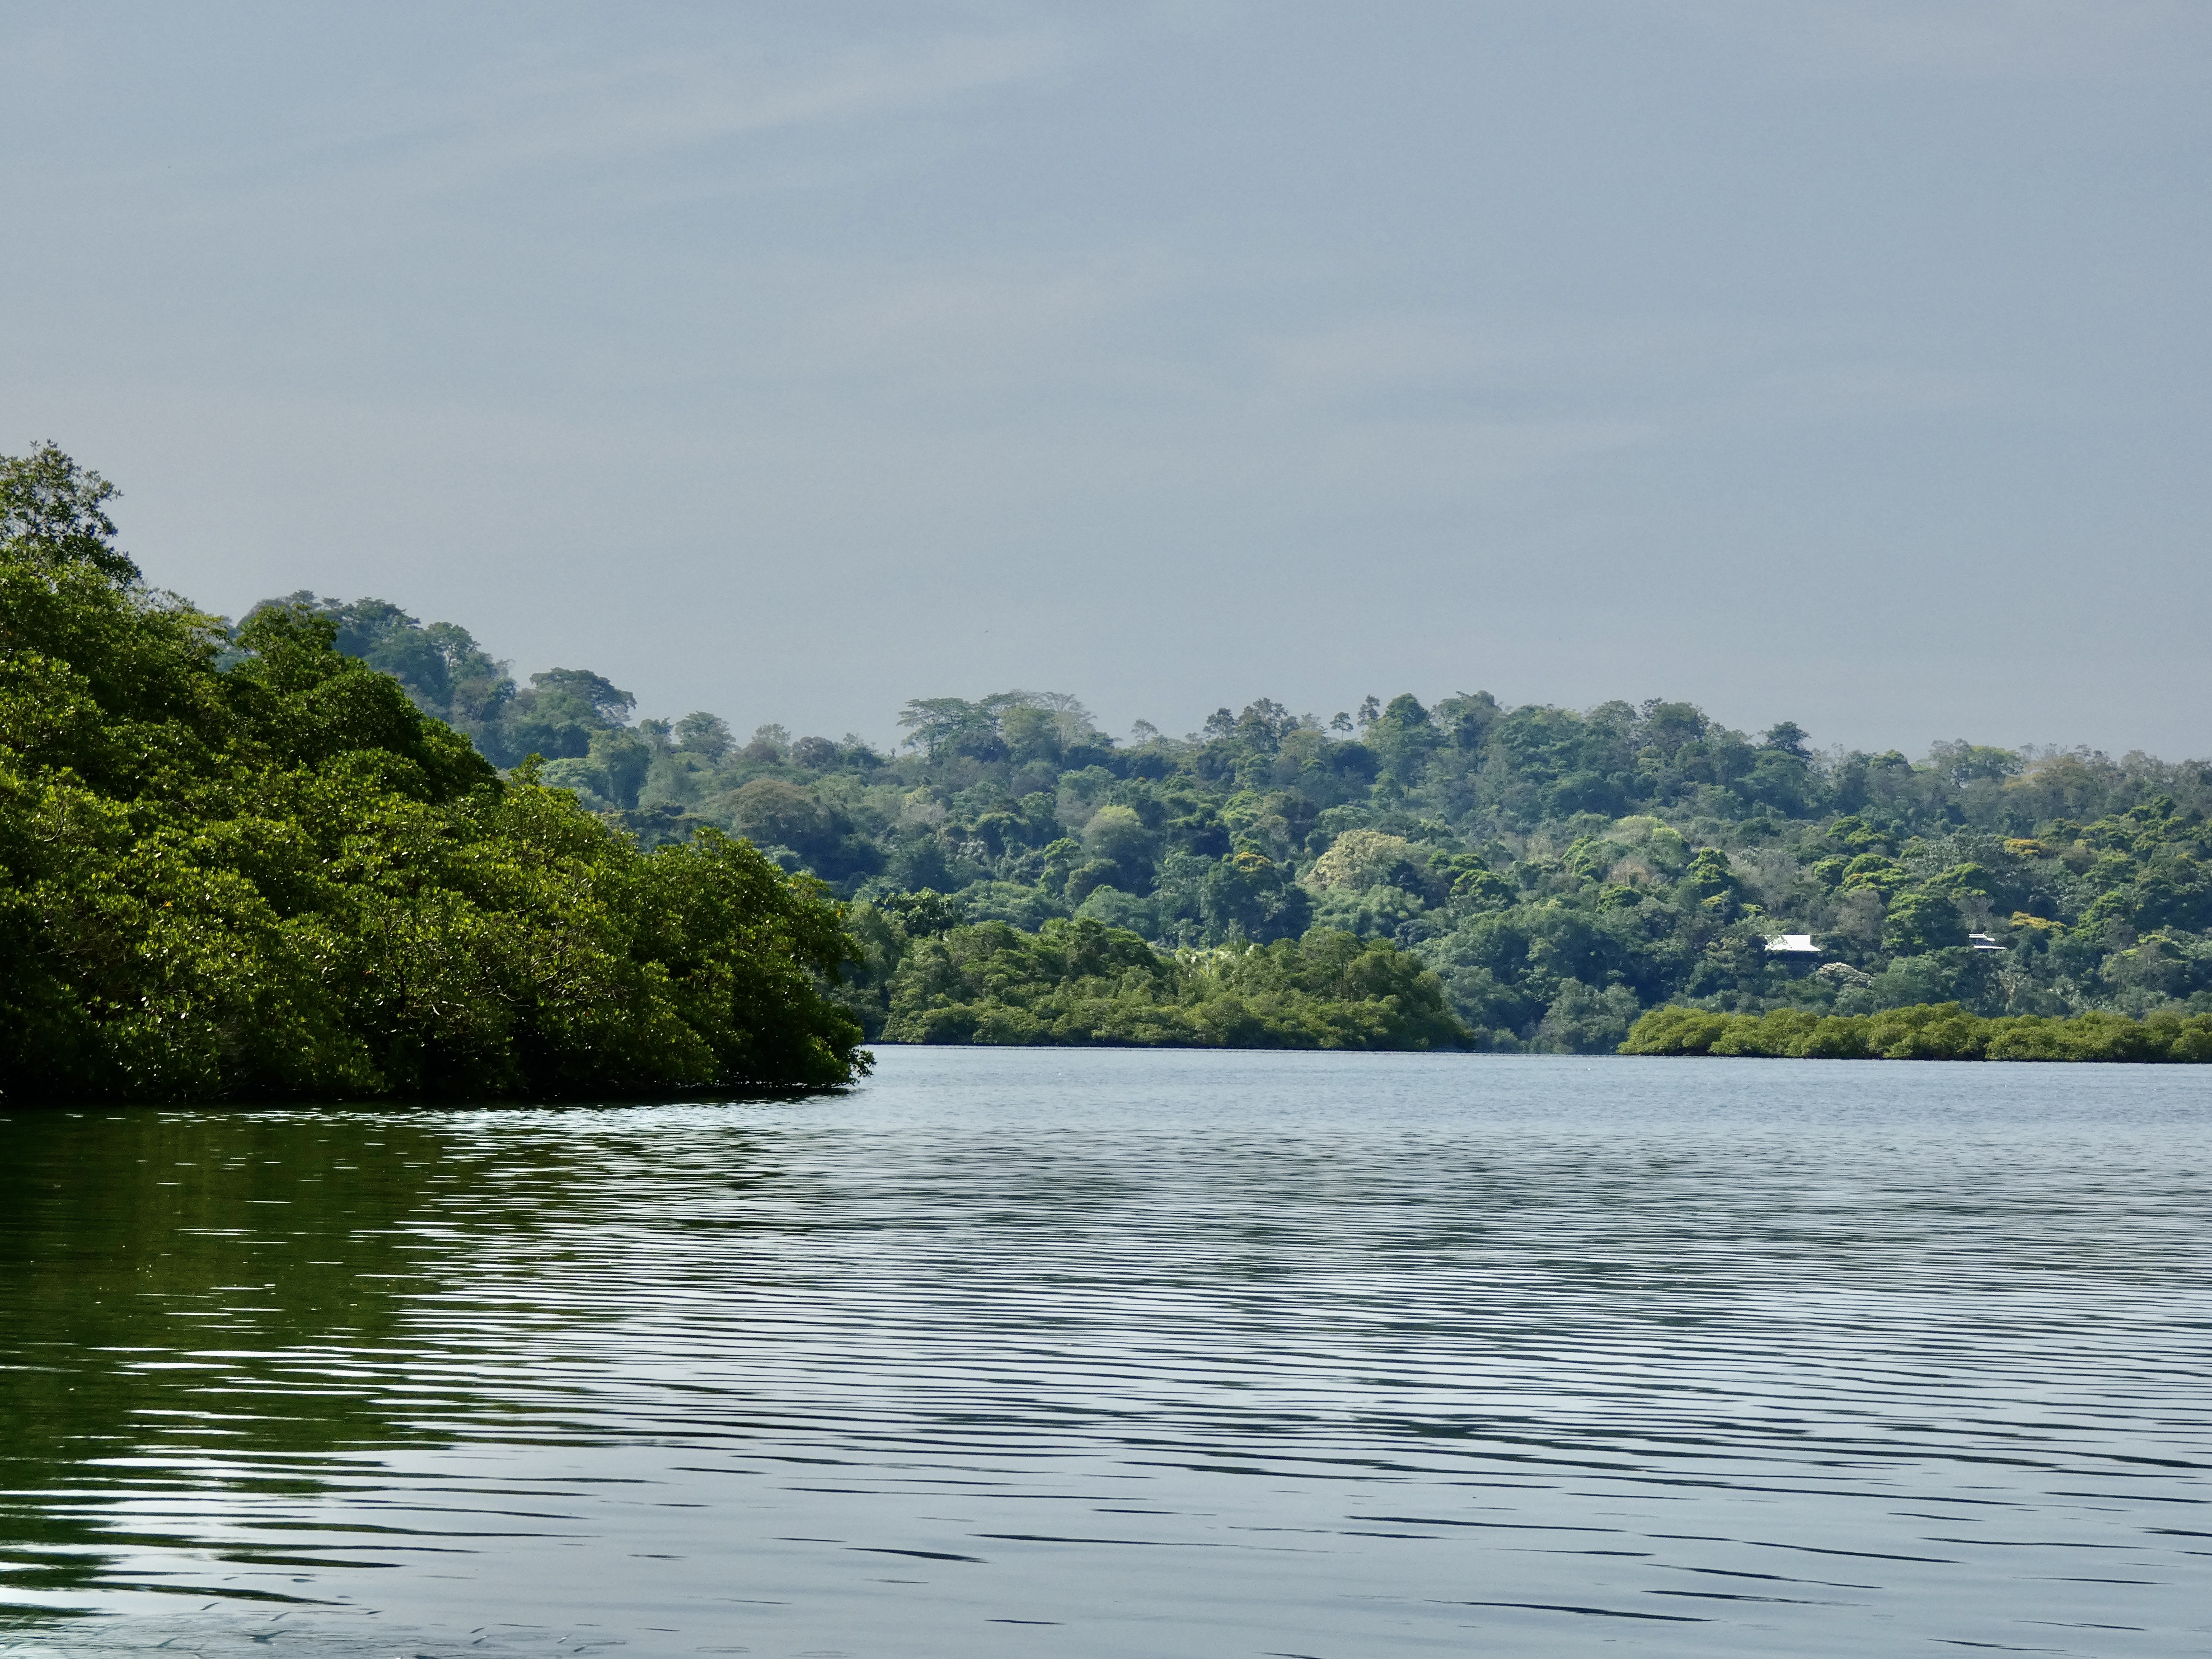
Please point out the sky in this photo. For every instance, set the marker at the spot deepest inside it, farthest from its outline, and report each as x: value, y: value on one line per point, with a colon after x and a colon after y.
x: 1847, y: 362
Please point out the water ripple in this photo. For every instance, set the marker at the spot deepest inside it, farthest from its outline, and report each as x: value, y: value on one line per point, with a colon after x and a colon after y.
x: 1037, y: 1353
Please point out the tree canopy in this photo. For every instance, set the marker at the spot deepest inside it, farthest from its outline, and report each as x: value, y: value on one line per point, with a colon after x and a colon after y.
x: 1559, y: 872
x: 245, y: 864
x: 1556, y: 873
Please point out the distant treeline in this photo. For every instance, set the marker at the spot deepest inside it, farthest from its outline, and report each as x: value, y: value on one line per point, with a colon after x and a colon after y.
x: 1558, y: 872
x: 1942, y: 1031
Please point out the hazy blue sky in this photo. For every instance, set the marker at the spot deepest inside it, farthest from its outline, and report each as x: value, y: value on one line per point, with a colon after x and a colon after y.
x: 1839, y: 360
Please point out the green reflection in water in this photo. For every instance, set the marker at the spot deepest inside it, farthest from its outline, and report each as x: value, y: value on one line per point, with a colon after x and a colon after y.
x: 211, y: 1303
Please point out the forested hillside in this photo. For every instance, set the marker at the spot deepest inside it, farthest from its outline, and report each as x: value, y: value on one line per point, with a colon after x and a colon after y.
x: 1560, y: 871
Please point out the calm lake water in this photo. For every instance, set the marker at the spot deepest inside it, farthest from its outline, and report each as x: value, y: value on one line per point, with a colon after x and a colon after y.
x: 1042, y: 1353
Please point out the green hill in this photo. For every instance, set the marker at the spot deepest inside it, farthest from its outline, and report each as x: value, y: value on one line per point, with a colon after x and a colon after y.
x: 1559, y: 872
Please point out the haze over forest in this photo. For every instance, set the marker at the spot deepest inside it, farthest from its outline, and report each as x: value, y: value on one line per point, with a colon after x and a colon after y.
x: 1840, y: 357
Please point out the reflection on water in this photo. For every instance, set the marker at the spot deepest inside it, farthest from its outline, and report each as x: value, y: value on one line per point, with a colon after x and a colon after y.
x: 1047, y: 1353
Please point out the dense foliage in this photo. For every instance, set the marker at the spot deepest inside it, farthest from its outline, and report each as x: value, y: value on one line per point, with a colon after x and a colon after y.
x: 1943, y: 1031
x: 1080, y: 981
x: 1560, y: 872
x: 239, y: 864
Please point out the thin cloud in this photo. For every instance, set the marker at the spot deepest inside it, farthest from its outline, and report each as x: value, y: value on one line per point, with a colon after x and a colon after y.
x: 1972, y: 39
x: 531, y: 115
x: 656, y: 107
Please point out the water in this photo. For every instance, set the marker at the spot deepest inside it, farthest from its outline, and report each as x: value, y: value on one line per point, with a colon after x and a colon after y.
x: 1037, y: 1353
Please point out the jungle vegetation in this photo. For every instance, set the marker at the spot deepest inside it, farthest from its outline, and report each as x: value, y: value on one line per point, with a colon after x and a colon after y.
x: 240, y: 863
x: 1942, y: 1031
x: 1079, y: 982
x: 1559, y: 872
x: 222, y: 843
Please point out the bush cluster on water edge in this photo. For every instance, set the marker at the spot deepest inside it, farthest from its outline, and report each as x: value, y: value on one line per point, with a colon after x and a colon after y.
x: 1941, y: 1031
x: 928, y: 980
x: 248, y: 866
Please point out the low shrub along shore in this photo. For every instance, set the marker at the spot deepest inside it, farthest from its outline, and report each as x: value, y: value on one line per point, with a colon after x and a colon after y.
x: 1941, y: 1031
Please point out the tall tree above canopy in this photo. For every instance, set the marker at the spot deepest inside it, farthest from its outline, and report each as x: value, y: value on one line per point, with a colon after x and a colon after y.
x: 53, y: 511
x: 941, y: 726
x: 601, y: 695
